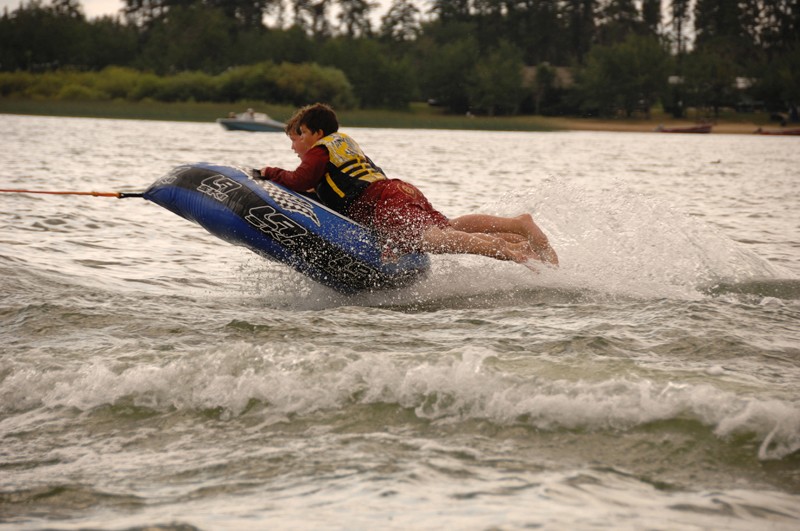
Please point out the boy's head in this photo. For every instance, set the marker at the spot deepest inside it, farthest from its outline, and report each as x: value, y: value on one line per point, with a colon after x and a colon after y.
x: 317, y: 117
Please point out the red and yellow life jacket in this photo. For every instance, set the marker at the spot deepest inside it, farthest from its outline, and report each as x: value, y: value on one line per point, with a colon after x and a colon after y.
x: 348, y: 173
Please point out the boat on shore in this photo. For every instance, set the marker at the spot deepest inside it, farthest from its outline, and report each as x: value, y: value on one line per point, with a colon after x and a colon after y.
x: 251, y: 121
x: 699, y: 128
x: 778, y: 132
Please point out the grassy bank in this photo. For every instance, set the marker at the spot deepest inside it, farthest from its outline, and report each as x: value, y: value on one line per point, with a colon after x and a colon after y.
x: 126, y: 110
x: 419, y: 116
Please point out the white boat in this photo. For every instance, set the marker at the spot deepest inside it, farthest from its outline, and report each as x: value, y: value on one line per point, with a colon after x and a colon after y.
x: 251, y: 121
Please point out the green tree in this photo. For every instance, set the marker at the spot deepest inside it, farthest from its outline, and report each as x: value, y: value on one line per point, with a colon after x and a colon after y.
x: 111, y: 43
x: 68, y: 9
x: 378, y: 78
x: 246, y: 14
x: 143, y: 13
x: 772, y: 25
x: 354, y: 17
x: 580, y: 27
x: 490, y: 22
x: 544, y: 83
x: 718, y: 21
x: 312, y: 17
x: 401, y: 22
x: 651, y: 16
x: 679, y: 20
x: 716, y: 18
x: 537, y: 28
x: 710, y: 75
x: 39, y: 37
x: 626, y: 77
x: 616, y: 20
x: 448, y: 72
x: 778, y: 81
x: 188, y: 38
x: 277, y: 45
x: 496, y: 87
x: 451, y: 10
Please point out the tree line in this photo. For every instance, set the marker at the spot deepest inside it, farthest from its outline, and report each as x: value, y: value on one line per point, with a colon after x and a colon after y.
x: 601, y: 57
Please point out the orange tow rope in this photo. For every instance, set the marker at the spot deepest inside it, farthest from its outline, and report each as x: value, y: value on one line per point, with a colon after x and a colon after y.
x: 118, y: 195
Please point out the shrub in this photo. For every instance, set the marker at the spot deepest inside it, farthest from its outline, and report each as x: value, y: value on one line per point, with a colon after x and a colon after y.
x: 146, y: 87
x: 14, y: 83
x: 46, y: 85
x: 296, y: 84
x: 309, y: 82
x: 186, y: 86
x: 118, y: 82
x: 73, y: 91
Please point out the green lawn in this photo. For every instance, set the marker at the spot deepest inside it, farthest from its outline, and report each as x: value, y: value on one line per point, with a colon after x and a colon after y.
x: 419, y: 116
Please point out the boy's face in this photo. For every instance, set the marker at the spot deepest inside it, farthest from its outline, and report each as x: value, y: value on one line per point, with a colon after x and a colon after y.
x: 302, y: 143
x: 295, y: 138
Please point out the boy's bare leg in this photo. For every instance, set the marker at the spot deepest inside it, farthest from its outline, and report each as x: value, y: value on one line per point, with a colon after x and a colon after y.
x: 515, y: 241
x: 437, y: 240
x: 507, y: 236
x: 522, y: 225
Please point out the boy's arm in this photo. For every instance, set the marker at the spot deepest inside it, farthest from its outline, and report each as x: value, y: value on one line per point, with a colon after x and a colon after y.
x: 306, y: 176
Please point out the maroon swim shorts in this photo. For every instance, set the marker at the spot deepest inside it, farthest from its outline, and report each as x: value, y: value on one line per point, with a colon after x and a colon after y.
x: 398, y: 211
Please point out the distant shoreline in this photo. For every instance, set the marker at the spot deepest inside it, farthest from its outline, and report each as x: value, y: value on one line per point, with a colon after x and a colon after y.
x: 420, y: 116
x: 646, y: 126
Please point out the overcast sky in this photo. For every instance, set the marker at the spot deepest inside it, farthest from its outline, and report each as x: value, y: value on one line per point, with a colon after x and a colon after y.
x: 92, y: 8
x: 96, y: 8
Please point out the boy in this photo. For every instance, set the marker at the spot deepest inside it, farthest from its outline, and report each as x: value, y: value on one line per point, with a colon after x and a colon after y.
x: 347, y: 181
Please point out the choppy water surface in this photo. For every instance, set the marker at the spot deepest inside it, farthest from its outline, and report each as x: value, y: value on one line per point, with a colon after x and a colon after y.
x: 153, y: 375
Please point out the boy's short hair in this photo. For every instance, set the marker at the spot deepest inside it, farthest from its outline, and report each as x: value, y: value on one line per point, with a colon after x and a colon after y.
x: 316, y: 117
x: 291, y: 127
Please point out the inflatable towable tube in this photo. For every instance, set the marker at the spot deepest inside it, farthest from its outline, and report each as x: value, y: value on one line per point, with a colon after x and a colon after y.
x: 281, y: 225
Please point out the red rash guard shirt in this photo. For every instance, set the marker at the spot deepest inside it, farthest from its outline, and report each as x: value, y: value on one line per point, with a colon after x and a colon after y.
x: 307, y: 175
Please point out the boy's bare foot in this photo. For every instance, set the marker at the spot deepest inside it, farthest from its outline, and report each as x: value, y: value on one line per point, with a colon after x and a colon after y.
x: 538, y: 240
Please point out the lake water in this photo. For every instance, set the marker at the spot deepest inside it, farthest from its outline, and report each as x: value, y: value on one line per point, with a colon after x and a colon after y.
x: 153, y: 376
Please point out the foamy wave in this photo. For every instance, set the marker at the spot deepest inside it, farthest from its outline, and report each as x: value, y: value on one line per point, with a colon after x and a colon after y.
x: 619, y: 241
x: 295, y: 382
